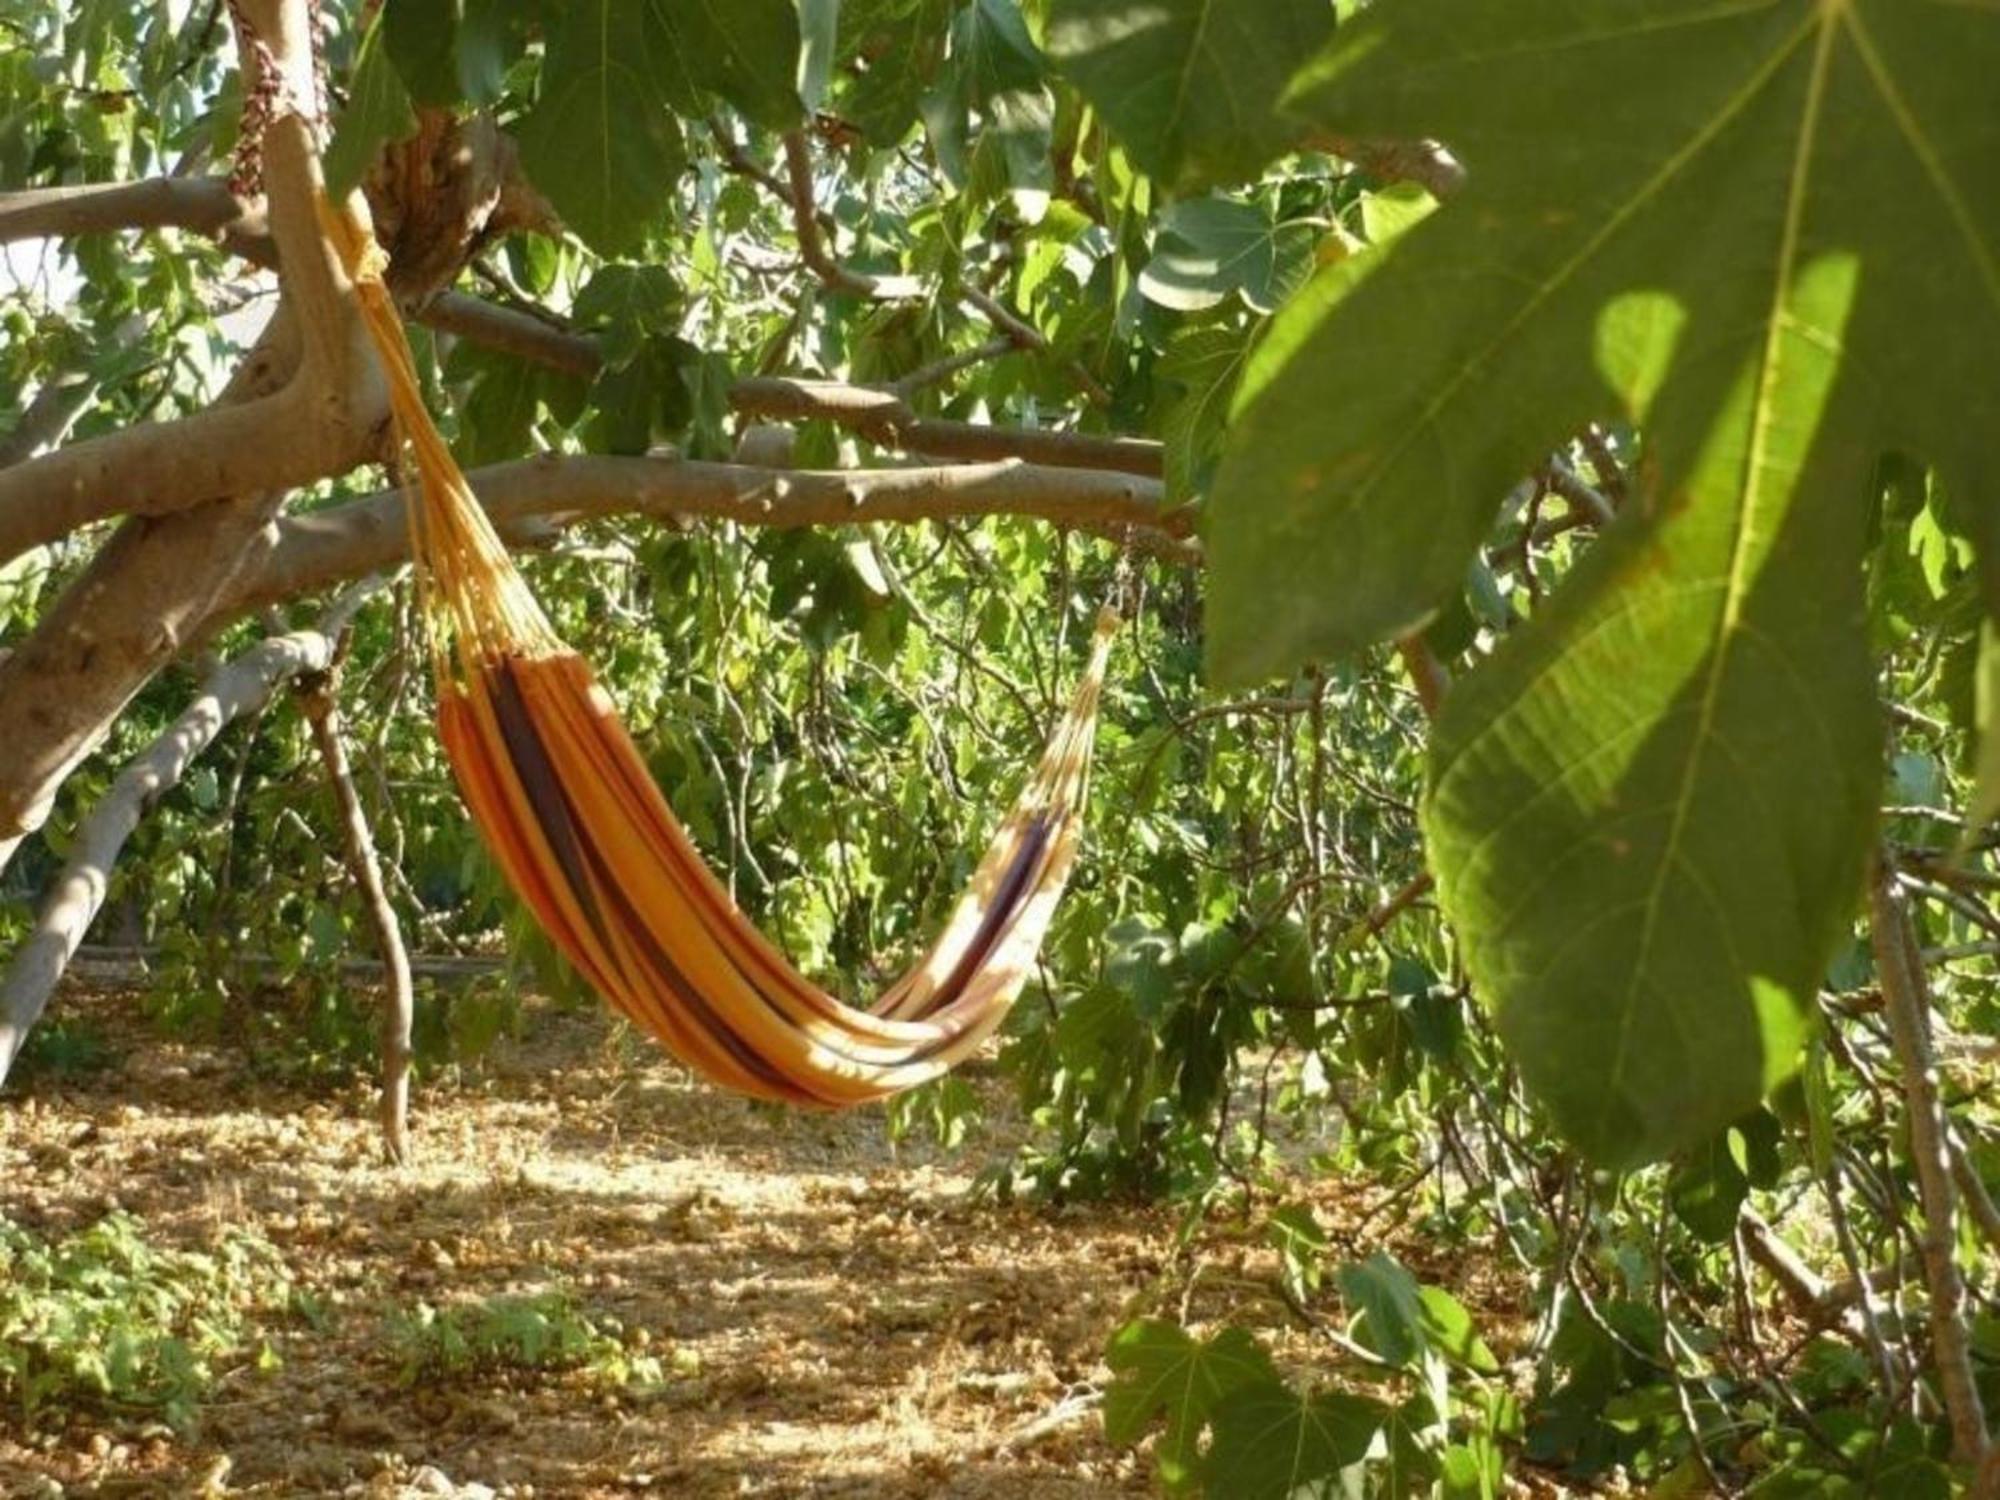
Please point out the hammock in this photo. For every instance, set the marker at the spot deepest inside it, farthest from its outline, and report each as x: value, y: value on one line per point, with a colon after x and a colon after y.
x: 570, y: 812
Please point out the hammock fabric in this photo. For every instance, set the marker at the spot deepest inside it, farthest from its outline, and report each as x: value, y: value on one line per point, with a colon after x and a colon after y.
x: 570, y: 812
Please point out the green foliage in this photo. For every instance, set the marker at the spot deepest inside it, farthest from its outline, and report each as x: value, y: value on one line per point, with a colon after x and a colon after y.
x: 1188, y: 84
x: 1164, y: 1374
x: 546, y: 1332
x: 1692, y: 722
x: 1232, y: 1426
x: 1198, y: 373
x: 897, y: 47
x: 1211, y: 248
x: 1272, y: 1442
x: 602, y: 140
x: 748, y: 51
x: 64, y: 1047
x: 378, y: 109
x: 1679, y: 286
x: 105, y: 1319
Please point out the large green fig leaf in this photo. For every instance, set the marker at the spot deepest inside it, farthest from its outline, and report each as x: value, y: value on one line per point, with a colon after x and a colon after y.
x: 748, y: 51
x: 1189, y: 84
x: 378, y: 111
x: 1274, y: 1443
x: 1160, y: 1372
x: 601, y: 141
x: 1649, y: 810
x: 898, y: 45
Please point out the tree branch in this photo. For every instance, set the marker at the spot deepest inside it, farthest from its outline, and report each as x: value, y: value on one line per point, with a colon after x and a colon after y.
x: 1906, y: 1004
x: 885, y: 419
x: 812, y: 248
x: 129, y: 610
x: 531, y: 499
x: 877, y: 414
x: 319, y: 698
x: 326, y: 410
x: 822, y: 263
x: 202, y: 204
x: 169, y: 466
x: 241, y: 686
x: 940, y: 370
x: 511, y: 331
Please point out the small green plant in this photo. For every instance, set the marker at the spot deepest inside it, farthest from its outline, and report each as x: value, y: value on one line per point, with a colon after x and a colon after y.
x: 547, y: 1332
x: 947, y: 1108
x: 1425, y: 1415
x: 106, y: 1319
x: 64, y: 1048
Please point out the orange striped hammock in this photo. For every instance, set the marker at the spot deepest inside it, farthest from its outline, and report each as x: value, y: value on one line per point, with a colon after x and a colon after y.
x: 568, y: 809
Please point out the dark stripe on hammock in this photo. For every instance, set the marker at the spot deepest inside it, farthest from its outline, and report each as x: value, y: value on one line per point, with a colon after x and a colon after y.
x: 554, y: 811
x: 539, y: 780
x: 1000, y: 914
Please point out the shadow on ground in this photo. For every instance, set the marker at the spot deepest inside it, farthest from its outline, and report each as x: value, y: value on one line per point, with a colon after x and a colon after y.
x: 835, y: 1318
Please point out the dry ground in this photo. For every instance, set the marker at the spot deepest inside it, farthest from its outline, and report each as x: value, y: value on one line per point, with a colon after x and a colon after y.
x: 838, y: 1318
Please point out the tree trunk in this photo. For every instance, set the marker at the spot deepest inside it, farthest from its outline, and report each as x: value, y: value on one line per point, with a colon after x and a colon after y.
x: 158, y: 578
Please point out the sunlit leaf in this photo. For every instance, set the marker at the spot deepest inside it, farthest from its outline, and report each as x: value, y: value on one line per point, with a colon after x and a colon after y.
x: 1165, y: 1374
x: 1648, y: 812
x: 1272, y: 1443
x: 1211, y: 248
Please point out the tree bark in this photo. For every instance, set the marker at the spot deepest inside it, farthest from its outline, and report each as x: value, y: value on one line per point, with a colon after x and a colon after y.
x: 145, y: 592
x: 159, y: 468
x: 530, y: 498
x: 239, y: 687
x: 158, y: 578
x: 202, y: 204
x: 885, y: 418
x: 319, y: 698
x: 1906, y: 1005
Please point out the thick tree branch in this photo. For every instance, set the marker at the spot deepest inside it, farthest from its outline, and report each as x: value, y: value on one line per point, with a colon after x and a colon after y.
x: 877, y: 414
x: 886, y: 420
x: 326, y: 410
x: 531, y: 498
x: 511, y: 331
x: 169, y: 466
x: 201, y: 204
x: 239, y: 687
x: 159, y: 577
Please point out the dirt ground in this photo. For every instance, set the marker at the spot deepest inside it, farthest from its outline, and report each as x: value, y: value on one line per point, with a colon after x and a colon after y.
x: 837, y: 1316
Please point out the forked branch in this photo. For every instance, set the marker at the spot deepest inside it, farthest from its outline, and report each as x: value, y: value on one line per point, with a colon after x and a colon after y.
x: 239, y: 687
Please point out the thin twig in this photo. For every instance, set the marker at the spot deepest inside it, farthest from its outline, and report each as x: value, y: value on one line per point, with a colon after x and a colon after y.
x: 1906, y: 1003
x: 319, y: 700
